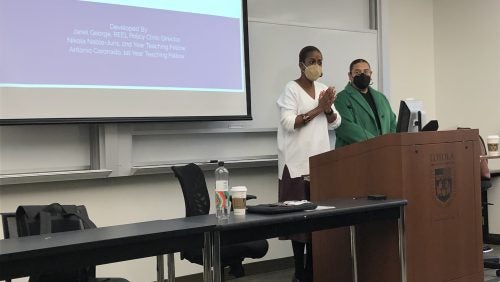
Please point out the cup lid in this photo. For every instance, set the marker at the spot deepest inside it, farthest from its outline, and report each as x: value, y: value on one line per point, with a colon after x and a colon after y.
x: 239, y: 189
x: 493, y: 138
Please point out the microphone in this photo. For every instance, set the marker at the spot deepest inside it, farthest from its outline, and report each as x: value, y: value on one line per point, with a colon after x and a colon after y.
x: 350, y: 107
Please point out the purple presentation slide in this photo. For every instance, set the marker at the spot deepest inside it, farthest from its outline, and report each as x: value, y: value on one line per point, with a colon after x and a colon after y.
x: 61, y: 42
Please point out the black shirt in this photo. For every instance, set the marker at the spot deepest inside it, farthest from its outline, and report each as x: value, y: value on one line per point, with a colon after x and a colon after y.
x: 369, y: 98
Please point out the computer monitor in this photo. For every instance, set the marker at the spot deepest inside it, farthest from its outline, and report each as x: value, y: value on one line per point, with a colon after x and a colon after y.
x: 412, y: 118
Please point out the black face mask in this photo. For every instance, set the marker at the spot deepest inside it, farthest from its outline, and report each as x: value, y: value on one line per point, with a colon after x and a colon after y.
x: 362, y: 81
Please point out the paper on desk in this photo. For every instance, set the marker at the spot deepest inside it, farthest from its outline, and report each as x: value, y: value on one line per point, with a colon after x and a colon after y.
x: 323, y: 208
x: 295, y: 203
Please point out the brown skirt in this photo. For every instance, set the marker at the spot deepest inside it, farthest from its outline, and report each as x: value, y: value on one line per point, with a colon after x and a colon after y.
x: 293, y: 189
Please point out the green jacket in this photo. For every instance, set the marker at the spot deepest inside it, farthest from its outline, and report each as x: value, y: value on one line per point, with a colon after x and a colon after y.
x: 358, y: 121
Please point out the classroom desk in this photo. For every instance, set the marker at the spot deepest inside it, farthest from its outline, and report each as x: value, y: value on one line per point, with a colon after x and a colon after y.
x: 24, y: 256
x: 347, y: 212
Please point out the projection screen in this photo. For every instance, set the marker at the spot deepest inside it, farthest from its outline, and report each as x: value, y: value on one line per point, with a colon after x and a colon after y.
x: 65, y: 61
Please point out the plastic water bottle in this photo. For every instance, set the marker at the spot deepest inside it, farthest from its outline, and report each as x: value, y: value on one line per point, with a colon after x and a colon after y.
x: 222, y: 207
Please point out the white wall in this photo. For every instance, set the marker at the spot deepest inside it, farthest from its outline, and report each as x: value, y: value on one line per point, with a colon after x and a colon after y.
x: 351, y: 15
x: 468, y: 72
x: 411, y: 53
x: 467, y: 36
x: 445, y: 52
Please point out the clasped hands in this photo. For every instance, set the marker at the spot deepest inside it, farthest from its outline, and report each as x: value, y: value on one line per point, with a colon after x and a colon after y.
x: 326, y: 98
x: 325, y: 101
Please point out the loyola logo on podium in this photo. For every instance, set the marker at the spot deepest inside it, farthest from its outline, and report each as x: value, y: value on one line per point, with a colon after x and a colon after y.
x: 443, y: 183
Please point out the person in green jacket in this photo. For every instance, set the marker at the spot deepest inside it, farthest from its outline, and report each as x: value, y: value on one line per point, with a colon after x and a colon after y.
x: 365, y: 112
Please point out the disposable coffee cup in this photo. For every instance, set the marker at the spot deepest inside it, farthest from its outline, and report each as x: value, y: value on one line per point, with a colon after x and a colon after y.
x: 492, y: 141
x: 239, y: 199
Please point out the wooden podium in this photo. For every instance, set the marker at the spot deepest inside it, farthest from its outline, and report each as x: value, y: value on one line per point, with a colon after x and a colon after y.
x: 438, y: 173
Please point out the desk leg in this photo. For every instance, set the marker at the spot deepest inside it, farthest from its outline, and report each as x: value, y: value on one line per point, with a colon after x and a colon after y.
x: 216, y: 258
x: 207, y: 257
x: 171, y: 267
x: 402, y: 249
x: 159, y: 269
x: 354, y: 254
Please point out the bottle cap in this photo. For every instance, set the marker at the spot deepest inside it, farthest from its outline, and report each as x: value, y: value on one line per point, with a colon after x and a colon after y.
x: 221, y: 163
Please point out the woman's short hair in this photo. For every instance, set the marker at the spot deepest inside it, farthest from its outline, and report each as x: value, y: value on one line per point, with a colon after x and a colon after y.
x: 306, y: 50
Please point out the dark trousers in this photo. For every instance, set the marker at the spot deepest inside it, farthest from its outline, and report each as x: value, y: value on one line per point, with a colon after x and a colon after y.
x: 294, y: 189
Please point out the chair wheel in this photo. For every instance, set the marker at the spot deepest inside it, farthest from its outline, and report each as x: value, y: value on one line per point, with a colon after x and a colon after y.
x: 498, y: 273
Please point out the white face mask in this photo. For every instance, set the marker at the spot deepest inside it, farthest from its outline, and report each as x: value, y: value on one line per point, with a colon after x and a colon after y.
x: 313, y: 72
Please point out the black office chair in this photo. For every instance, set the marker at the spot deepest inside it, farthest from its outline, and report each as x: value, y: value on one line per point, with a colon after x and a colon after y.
x: 9, y: 225
x: 197, y: 201
x: 488, y: 262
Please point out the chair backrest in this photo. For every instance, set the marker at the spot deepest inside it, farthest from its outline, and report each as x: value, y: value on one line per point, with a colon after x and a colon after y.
x: 9, y: 225
x: 53, y: 218
x: 194, y: 189
x: 34, y: 218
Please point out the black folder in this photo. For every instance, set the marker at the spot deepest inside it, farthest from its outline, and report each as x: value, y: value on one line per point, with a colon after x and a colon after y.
x: 280, y: 208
